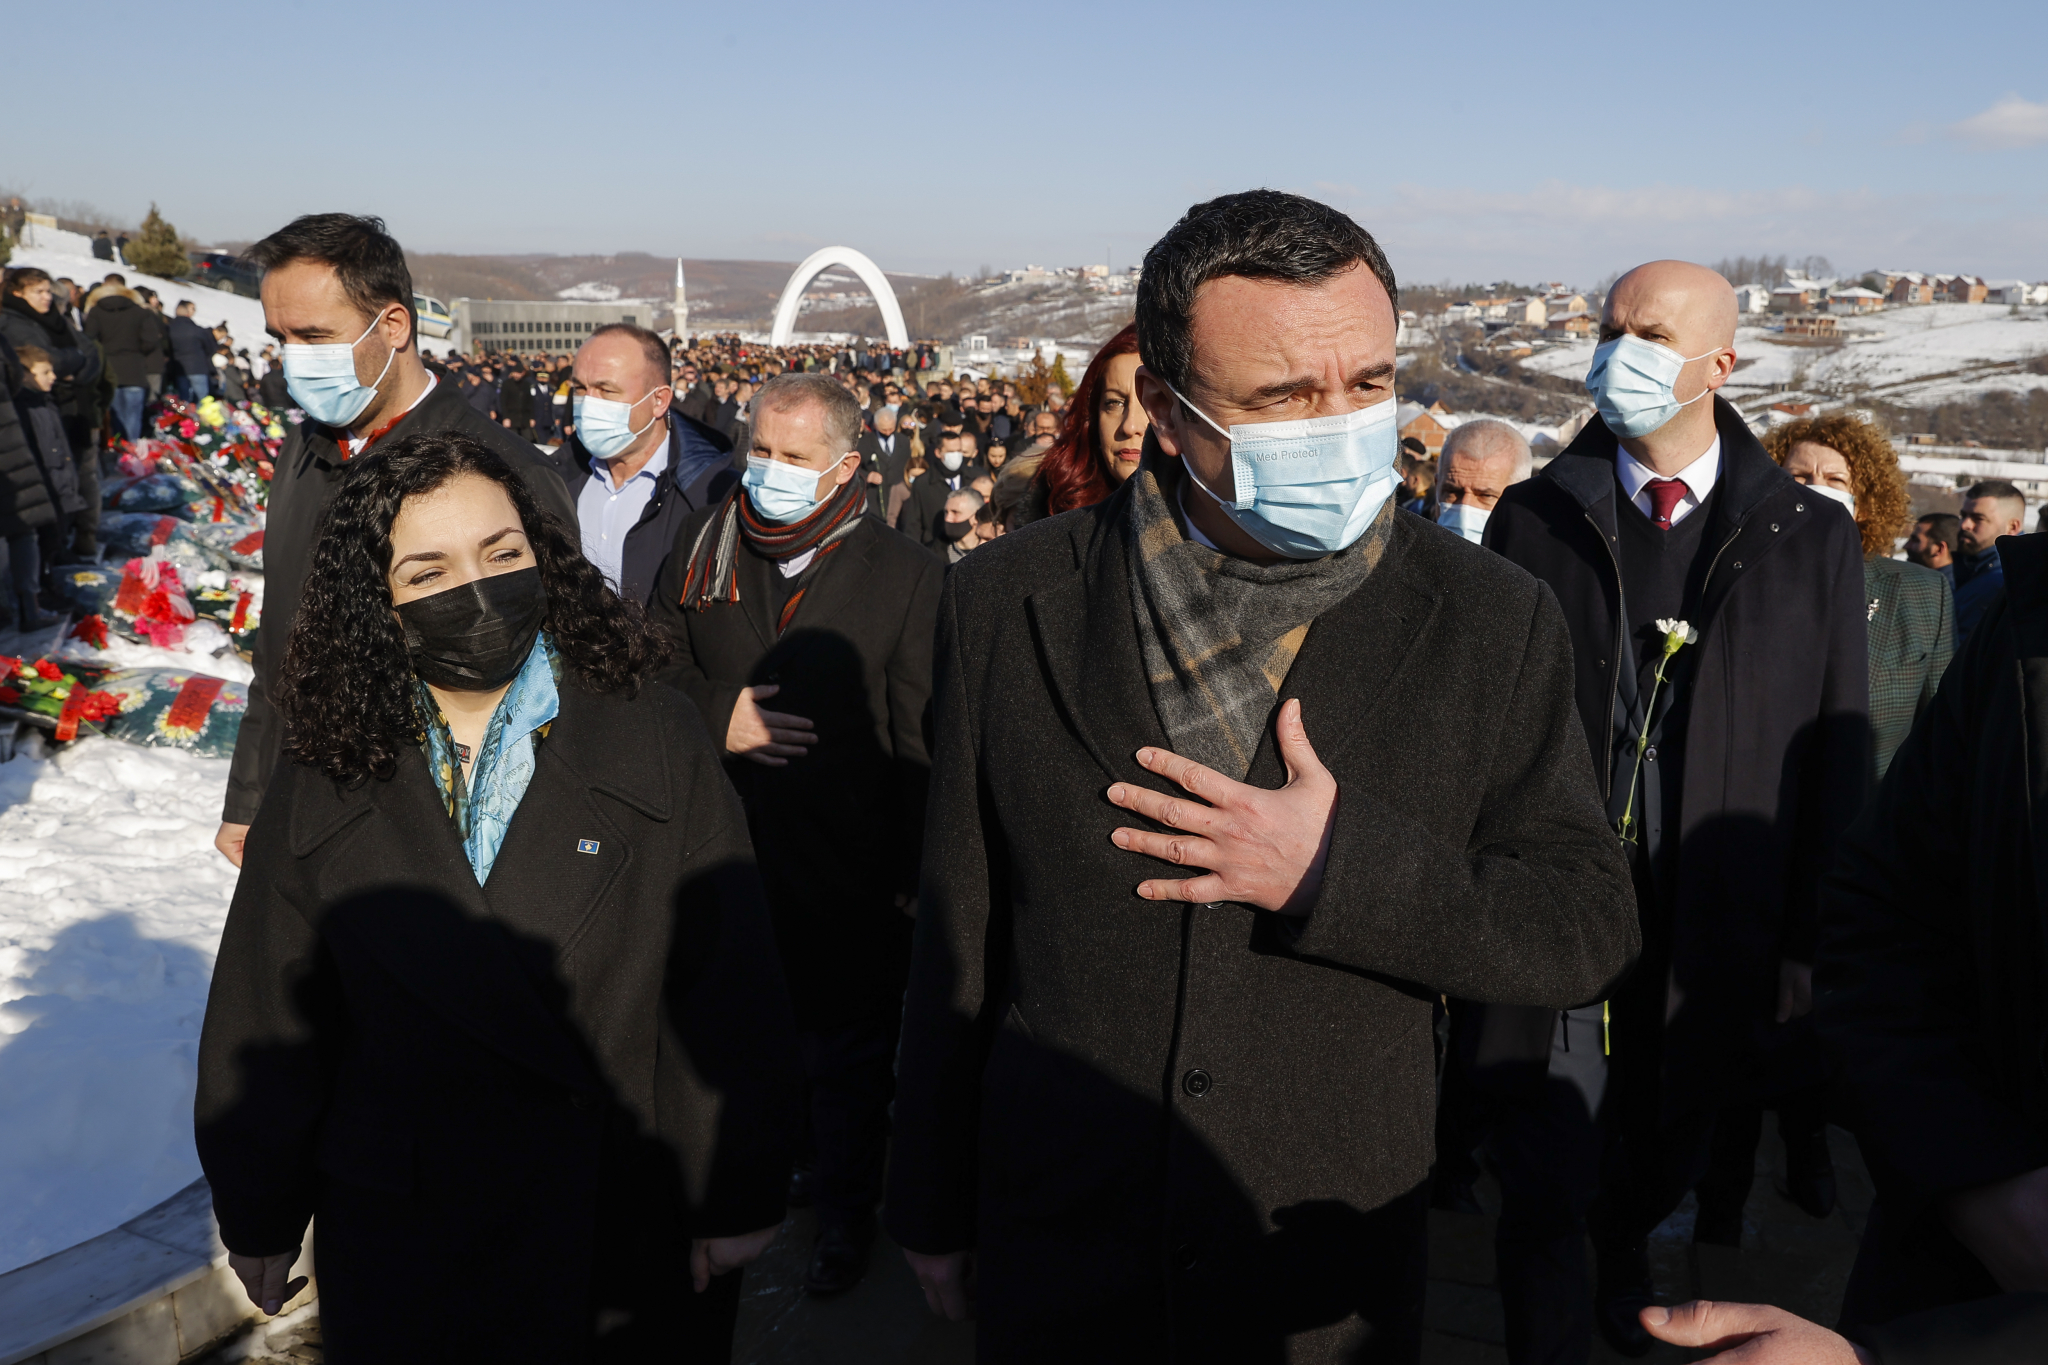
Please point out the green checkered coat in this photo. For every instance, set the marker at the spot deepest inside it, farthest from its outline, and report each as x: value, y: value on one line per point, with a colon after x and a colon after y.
x: 1912, y: 636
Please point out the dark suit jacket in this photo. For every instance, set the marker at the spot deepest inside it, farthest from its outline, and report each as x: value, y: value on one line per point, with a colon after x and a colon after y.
x: 1092, y: 1086
x: 889, y: 464
x: 308, y: 466
x: 921, y: 512
x: 593, y: 1040
x: 839, y: 830
x: 1932, y: 980
x: 1912, y: 637
x: 1775, y: 747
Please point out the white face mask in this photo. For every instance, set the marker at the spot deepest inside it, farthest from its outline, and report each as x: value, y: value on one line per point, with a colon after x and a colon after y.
x: 1463, y: 519
x: 952, y: 460
x: 1845, y: 498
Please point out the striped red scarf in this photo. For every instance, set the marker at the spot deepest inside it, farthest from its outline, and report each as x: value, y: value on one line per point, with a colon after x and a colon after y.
x: 712, y: 576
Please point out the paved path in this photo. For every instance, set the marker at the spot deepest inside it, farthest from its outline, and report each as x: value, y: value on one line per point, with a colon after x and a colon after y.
x: 1787, y: 1259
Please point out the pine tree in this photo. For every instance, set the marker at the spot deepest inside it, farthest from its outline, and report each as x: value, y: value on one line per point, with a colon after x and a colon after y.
x: 1058, y: 377
x: 156, y: 249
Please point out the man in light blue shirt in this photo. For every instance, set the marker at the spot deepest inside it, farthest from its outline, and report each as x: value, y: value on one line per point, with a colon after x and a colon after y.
x: 634, y: 464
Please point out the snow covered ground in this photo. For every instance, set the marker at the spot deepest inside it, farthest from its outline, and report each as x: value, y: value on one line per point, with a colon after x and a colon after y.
x: 112, y: 900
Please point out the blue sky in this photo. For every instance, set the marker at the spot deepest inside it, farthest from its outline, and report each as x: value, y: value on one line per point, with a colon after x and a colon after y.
x: 1479, y: 140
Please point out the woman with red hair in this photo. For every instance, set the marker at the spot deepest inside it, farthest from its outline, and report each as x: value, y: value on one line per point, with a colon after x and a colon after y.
x: 1098, y: 442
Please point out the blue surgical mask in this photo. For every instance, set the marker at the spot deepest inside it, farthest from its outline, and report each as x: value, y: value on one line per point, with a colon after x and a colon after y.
x: 1632, y: 384
x: 605, y: 425
x: 781, y: 492
x: 322, y: 379
x: 1463, y: 518
x: 1308, y: 488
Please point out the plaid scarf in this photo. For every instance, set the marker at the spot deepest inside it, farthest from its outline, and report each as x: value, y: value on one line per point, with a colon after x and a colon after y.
x: 1218, y: 634
x: 712, y: 576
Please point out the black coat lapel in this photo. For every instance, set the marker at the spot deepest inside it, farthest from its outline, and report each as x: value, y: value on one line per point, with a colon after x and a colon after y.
x: 837, y: 584
x: 2026, y: 605
x: 1087, y: 635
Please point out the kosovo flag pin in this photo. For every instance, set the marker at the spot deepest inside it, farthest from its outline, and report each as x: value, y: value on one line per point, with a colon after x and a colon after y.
x: 586, y: 845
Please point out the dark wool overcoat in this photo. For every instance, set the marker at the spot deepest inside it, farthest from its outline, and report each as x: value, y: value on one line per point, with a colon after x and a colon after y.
x: 1775, y: 747
x: 839, y: 830
x: 508, y: 1107
x: 1931, y: 980
x: 308, y: 467
x: 1182, y: 1131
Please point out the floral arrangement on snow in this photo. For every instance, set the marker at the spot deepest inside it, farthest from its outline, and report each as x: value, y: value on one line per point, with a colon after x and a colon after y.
x: 43, y: 687
x: 220, y: 456
x: 152, y: 602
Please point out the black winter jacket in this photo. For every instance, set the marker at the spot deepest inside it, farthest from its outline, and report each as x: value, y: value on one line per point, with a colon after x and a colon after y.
x: 1932, y: 976
x: 25, y: 502
x: 580, y: 1065
x: 1775, y: 751
x: 132, y: 338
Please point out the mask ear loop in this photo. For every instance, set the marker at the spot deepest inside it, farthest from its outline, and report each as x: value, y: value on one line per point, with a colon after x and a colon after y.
x: 1703, y: 392
x: 642, y: 399
x: 1187, y: 466
x: 389, y: 355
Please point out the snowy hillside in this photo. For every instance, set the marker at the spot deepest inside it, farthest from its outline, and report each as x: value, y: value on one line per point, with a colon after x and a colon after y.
x: 112, y: 900
x: 1909, y: 356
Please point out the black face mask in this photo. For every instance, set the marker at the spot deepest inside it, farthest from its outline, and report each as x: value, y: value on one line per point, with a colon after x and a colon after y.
x: 955, y: 530
x: 475, y: 637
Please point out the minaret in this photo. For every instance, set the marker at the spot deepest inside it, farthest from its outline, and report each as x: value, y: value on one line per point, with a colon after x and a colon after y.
x: 682, y: 306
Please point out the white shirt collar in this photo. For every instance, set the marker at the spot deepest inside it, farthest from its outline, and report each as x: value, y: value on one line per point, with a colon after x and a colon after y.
x: 1698, y: 478
x: 656, y: 462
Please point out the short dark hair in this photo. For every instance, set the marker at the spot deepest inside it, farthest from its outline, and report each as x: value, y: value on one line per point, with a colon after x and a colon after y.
x: 1995, y: 488
x: 650, y: 342
x: 367, y: 260
x: 1261, y: 234
x: 1943, y: 527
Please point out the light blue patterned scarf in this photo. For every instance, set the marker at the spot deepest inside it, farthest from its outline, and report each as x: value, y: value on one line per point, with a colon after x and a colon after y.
x: 482, y: 808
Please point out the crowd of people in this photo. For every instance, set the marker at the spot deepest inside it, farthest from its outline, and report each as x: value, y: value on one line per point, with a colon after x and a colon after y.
x: 1149, y: 845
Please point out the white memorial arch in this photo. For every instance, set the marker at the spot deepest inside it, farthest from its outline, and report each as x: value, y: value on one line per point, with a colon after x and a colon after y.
x: 816, y: 264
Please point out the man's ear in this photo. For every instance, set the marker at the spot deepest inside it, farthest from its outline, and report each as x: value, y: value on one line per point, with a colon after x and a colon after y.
x: 1162, y: 408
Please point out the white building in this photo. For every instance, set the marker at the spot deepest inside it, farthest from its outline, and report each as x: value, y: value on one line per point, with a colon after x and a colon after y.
x: 1753, y: 298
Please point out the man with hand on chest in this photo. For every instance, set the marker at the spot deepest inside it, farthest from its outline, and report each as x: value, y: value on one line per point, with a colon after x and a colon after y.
x: 1717, y: 618
x: 1192, y: 886
x: 803, y: 631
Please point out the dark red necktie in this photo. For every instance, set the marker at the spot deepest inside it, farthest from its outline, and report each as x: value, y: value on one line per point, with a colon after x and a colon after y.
x: 1664, y: 496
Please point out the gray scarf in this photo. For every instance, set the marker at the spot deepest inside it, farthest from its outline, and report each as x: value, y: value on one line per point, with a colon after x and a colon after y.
x: 1218, y: 634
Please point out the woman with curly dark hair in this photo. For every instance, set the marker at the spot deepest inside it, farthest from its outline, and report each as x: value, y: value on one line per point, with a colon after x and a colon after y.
x: 1912, y: 611
x: 497, y: 1001
x: 1103, y: 431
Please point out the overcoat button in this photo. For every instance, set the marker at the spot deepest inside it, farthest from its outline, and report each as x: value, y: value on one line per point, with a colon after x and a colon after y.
x: 1184, y: 1256
x: 1651, y: 753
x: 1196, y: 1083
x: 1774, y: 526
x: 1738, y: 563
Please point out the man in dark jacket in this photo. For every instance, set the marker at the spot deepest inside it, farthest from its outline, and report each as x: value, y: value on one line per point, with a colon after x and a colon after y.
x: 1991, y: 510
x: 1933, y: 973
x: 883, y: 453
x: 1167, y: 1064
x: 834, y: 622
x: 337, y: 279
x: 133, y: 341
x: 515, y: 401
x: 948, y: 469
x: 1682, y: 550
x: 632, y: 498
x: 192, y: 348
